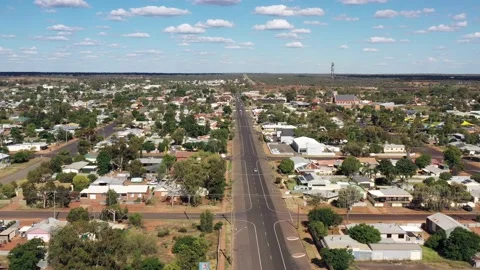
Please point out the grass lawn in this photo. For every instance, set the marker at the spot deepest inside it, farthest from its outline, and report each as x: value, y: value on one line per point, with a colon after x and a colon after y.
x: 291, y: 185
x: 17, y: 167
x: 430, y: 256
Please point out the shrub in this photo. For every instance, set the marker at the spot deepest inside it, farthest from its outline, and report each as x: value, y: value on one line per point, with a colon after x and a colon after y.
x: 182, y: 230
x: 218, y: 226
x: 163, y: 233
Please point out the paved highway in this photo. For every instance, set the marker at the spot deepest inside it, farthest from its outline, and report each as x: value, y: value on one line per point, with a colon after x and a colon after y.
x: 264, y: 236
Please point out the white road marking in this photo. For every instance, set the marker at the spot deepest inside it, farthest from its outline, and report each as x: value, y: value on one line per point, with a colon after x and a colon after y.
x: 256, y: 237
x: 278, y: 242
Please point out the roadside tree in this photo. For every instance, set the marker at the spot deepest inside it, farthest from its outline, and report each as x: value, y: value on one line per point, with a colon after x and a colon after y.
x: 364, y: 233
x: 78, y: 214
x: 325, y: 215
x: 286, y: 166
x: 350, y: 166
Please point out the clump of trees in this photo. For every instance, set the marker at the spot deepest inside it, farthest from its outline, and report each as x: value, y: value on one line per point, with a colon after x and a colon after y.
x: 438, y: 195
x: 206, y: 221
x: 27, y: 256
x: 325, y: 215
x: 286, y: 166
x: 364, y: 233
x: 189, y: 251
x: 338, y: 259
x: 461, y: 245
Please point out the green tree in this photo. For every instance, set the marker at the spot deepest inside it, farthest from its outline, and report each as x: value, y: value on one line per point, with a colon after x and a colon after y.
x: 8, y: 190
x: 22, y: 156
x: 364, y: 233
x: 290, y: 94
x: 227, y: 110
x: 190, y: 251
x: 445, y: 176
x: 350, y: 166
x: 112, y: 197
x: 169, y: 160
x: 318, y: 229
x: 172, y: 266
x: 80, y: 182
x: 406, y: 168
x: 27, y: 256
x: 386, y: 168
x: 104, y: 162
x: 286, y: 166
x: 436, y: 241
x: 149, y: 146
x: 423, y: 161
x: 325, y: 215
x: 78, y: 214
x: 136, y: 168
x: 30, y: 130
x: 338, y: 259
x: 453, y: 157
x: 348, y: 196
x: 16, y: 135
x: 83, y: 147
x: 461, y: 245
x: 151, y: 263
x: 178, y: 135
x: 135, y: 219
x: 476, y: 177
x: 206, y: 221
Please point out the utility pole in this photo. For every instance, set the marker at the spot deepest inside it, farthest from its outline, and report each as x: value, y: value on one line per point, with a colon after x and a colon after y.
x: 298, y: 216
x: 54, y: 197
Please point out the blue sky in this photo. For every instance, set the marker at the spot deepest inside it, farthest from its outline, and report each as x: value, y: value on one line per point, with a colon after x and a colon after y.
x: 283, y: 36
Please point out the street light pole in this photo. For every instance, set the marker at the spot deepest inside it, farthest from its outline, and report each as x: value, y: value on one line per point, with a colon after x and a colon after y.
x: 54, y: 197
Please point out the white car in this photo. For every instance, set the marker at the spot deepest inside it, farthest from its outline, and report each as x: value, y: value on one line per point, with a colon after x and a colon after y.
x: 255, y: 170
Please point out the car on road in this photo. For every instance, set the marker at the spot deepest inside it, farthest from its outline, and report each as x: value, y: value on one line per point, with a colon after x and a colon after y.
x: 467, y: 208
x: 255, y: 170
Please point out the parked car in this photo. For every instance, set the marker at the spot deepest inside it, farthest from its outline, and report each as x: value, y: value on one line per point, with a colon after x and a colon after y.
x: 467, y: 208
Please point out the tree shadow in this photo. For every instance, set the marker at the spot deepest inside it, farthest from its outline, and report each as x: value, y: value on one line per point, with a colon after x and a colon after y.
x: 319, y: 263
x: 308, y: 240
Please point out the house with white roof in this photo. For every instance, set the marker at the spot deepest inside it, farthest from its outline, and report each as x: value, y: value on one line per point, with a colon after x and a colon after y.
x: 309, y: 146
x: 75, y: 167
x: 441, y: 222
x: 394, y: 148
x: 299, y: 162
x: 125, y: 193
x: 394, y: 197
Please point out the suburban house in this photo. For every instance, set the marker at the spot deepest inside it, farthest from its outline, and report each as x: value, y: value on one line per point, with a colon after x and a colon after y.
x: 466, y: 181
x: 394, y: 197
x: 441, y: 222
x: 434, y: 170
x: 388, y: 231
x: 363, y: 181
x: 8, y: 234
x: 327, y: 195
x: 361, y: 252
x: 31, y: 146
x: 75, y: 167
x: 299, y: 162
x: 383, y: 251
x: 125, y: 193
x: 312, y: 181
x: 4, y: 160
x: 394, y: 148
x: 44, y: 229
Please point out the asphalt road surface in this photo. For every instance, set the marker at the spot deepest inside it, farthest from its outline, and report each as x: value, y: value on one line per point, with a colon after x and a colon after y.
x: 471, y: 167
x: 105, y: 131
x: 264, y: 236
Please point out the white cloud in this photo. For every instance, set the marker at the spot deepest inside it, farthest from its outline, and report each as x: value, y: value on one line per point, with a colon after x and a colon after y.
x: 103, y: 27
x: 282, y: 10
x: 461, y: 24
x: 344, y: 17
x: 151, y: 51
x: 217, y: 2
x: 61, y: 54
x: 464, y: 41
x: 301, y: 31
x: 287, y: 35
x: 203, y: 39
x: 244, y: 45
x: 102, y: 34
x: 420, y: 32
x: 381, y: 40
x: 277, y: 24
x: 4, y: 50
x: 361, y: 2
x: 343, y: 47
x: 473, y: 35
x: 315, y: 23
x: 62, y: 33
x: 215, y: 23
x: 404, y: 40
x: 9, y: 36
x: 131, y: 55
x: 460, y: 17
x: 389, y: 13
x: 85, y: 52
x: 386, y: 13
x: 440, y: 48
x: 31, y: 50
x: 87, y: 42
x: 295, y: 44
x: 431, y: 59
x: 148, y: 11
x: 184, y: 29
x: 441, y: 28
x: 158, y: 11
x: 115, y: 45
x: 183, y: 44
x: 137, y: 35
x: 389, y: 58
x: 51, y: 38
x: 61, y: 3
x: 370, y: 50
x: 378, y: 26
x: 64, y: 28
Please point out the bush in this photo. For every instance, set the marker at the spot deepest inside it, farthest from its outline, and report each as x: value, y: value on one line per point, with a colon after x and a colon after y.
x: 436, y: 241
x: 338, y: 259
x: 182, y: 230
x: 206, y: 221
x: 278, y: 180
x: 218, y: 226
x: 477, y: 218
x: 163, y: 233
x: 318, y: 229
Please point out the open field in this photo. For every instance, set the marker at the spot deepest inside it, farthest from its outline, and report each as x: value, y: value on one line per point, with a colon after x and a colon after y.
x: 166, y: 242
x: 431, y: 257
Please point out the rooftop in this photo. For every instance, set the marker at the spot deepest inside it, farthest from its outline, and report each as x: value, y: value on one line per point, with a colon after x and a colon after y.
x: 395, y: 246
x: 76, y: 165
x: 445, y: 222
x: 343, y: 241
x: 384, y: 228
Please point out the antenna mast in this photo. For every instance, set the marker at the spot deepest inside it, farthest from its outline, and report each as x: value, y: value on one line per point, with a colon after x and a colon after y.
x: 332, y: 69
